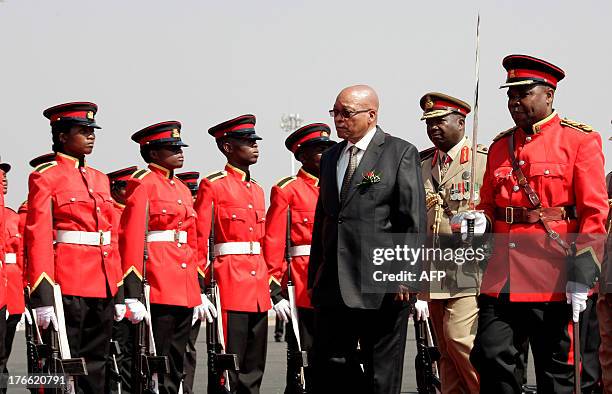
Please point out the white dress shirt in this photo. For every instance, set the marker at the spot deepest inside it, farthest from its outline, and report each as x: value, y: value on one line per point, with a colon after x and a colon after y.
x: 343, y: 160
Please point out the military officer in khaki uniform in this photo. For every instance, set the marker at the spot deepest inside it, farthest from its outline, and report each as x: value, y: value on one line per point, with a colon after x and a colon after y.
x: 446, y: 170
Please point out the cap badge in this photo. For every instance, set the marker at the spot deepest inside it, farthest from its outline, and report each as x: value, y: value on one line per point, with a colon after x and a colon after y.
x: 175, y: 133
x: 90, y: 115
x: 428, y: 103
x: 324, y: 134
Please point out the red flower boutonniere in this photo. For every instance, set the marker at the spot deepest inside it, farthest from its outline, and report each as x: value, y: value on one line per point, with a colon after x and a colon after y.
x: 370, y: 178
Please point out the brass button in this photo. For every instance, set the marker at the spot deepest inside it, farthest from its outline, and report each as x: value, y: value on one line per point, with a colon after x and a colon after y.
x: 183, y: 265
x: 233, y: 216
x: 250, y: 206
x: 72, y: 199
x: 105, y: 254
x: 305, y: 220
x: 178, y: 245
x: 250, y: 228
x: 512, y: 245
x: 248, y: 184
x: 91, y: 190
x: 97, y: 209
x: 163, y: 211
x: 521, y: 162
x: 528, y: 139
x: 515, y: 188
x: 172, y: 182
x: 180, y: 202
x: 253, y: 273
x: 546, y: 172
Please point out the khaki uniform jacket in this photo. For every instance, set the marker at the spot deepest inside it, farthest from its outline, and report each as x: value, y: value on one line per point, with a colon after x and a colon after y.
x: 465, y: 279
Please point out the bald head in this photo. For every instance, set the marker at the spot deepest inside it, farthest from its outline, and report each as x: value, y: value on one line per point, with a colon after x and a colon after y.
x: 356, y: 112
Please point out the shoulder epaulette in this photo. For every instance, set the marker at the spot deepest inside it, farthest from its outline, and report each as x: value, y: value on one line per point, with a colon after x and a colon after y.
x: 576, y: 125
x: 45, y: 166
x: 140, y: 174
x: 504, y: 133
x: 216, y: 175
x: 285, y: 181
x: 427, y: 153
x: 482, y: 149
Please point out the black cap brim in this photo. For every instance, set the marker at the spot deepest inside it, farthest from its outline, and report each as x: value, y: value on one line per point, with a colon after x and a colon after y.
x: 6, y: 167
x: 315, y: 141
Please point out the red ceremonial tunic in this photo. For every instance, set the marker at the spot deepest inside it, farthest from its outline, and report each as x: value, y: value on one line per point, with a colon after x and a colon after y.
x: 13, y: 259
x: 300, y: 193
x: 64, y: 196
x: 239, y: 217
x: 565, y: 166
x: 172, y: 267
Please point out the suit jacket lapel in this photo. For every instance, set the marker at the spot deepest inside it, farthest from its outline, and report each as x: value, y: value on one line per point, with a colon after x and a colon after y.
x: 333, y: 196
x: 368, y: 161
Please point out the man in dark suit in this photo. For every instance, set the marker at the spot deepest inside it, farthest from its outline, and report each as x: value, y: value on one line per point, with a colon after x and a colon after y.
x: 371, y: 195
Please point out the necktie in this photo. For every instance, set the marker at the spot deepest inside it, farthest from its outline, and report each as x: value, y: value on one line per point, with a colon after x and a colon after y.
x: 350, y: 170
x: 444, y: 165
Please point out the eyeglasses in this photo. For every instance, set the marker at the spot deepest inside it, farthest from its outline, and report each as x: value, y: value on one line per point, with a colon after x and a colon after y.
x: 345, y: 113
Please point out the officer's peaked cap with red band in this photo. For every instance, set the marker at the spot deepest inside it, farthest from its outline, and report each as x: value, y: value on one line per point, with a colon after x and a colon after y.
x: 528, y: 70
x: 190, y: 179
x: 310, y: 134
x: 77, y: 113
x: 6, y: 167
x: 47, y: 157
x: 121, y: 175
x: 243, y: 126
x: 437, y: 105
x: 159, y: 134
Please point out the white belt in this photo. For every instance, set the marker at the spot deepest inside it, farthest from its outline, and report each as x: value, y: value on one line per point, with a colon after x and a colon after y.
x: 299, y: 250
x: 10, y: 258
x: 83, y: 237
x: 237, y: 248
x: 167, y: 236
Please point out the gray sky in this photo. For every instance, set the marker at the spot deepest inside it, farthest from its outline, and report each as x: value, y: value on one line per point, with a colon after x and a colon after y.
x: 202, y: 62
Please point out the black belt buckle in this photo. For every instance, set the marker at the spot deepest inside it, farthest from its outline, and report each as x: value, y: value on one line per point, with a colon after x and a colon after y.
x: 509, y: 215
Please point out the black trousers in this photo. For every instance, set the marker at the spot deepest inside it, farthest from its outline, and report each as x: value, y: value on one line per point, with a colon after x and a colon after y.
x: 124, y: 333
x: 306, y: 327
x: 503, y: 327
x: 589, y: 347
x: 189, y: 364
x: 89, y: 324
x: 381, y: 336
x: 11, y: 327
x: 247, y: 337
x: 3, y: 332
x: 171, y: 327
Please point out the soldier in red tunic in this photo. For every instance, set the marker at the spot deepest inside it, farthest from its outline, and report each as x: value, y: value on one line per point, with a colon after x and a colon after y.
x: 190, y: 179
x: 240, y: 269
x: 123, y: 330
x: 544, y: 190
x: 68, y: 234
x: 298, y: 193
x: 13, y: 269
x: 159, y: 207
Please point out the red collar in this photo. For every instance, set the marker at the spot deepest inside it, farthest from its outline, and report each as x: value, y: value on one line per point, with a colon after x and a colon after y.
x: 237, y: 172
x: 166, y: 173
x: 308, y: 177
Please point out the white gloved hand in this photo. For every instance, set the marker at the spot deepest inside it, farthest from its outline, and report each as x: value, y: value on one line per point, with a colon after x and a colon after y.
x: 119, y: 312
x: 137, y: 310
x: 283, y: 310
x: 459, y: 222
x: 421, y: 310
x: 577, y: 295
x: 45, y: 315
x: 206, y: 310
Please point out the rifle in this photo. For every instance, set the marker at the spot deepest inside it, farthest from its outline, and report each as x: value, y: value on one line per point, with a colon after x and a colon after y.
x: 296, y: 359
x: 115, y: 373
x: 59, y: 360
x: 219, y: 362
x: 425, y: 361
x: 36, y: 351
x: 147, y: 364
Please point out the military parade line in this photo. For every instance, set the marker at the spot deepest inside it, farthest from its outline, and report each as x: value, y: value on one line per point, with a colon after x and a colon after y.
x: 115, y: 274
